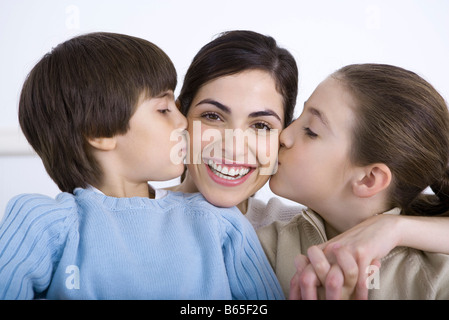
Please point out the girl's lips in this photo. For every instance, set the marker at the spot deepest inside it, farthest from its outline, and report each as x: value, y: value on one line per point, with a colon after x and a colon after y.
x: 228, y: 181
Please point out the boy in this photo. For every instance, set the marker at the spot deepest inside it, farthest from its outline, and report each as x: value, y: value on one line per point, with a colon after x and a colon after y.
x: 99, y: 110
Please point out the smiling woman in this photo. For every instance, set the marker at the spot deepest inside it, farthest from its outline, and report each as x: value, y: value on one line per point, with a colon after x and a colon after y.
x: 238, y: 95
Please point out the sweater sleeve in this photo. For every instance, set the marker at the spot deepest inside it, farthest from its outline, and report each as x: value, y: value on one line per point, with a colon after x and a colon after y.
x: 31, y: 237
x: 250, y: 274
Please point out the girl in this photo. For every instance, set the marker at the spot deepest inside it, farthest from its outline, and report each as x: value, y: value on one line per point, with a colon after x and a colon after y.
x: 370, y: 140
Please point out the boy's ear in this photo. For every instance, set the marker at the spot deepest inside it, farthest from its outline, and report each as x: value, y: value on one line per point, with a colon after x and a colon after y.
x: 103, y: 144
x: 372, y: 180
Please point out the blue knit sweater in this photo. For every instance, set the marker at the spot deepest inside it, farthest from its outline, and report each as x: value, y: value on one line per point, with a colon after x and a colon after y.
x: 90, y: 246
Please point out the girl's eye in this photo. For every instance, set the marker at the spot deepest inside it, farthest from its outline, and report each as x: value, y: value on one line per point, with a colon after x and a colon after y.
x: 261, y: 126
x: 211, y: 116
x: 310, y: 133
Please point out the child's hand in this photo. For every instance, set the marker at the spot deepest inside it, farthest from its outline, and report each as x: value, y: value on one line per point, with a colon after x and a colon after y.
x: 317, y: 278
x: 367, y: 243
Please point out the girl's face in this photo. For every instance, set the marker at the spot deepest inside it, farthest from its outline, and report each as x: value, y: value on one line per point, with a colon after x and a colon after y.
x: 233, y: 125
x: 314, y: 166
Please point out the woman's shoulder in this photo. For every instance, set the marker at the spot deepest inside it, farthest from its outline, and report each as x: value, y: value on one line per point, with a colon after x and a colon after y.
x: 261, y: 213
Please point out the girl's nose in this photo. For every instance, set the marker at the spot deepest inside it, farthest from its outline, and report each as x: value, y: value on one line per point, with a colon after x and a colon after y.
x: 286, y: 137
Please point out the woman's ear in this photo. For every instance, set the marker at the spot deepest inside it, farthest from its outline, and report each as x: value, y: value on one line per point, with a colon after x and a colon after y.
x: 178, y: 104
x: 103, y: 144
x: 372, y: 180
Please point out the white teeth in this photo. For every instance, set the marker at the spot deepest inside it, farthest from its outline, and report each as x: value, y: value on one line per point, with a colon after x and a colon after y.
x: 225, y: 172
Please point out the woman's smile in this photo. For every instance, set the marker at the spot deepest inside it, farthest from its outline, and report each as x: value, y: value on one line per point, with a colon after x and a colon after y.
x: 228, y: 174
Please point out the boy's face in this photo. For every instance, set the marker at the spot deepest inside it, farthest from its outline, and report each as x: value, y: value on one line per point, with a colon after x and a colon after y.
x: 154, y: 147
x: 314, y: 165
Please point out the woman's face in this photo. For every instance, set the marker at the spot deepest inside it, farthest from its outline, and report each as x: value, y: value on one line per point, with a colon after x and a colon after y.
x: 234, y: 123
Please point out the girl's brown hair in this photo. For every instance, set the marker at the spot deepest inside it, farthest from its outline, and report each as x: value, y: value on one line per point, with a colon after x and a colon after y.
x: 88, y: 87
x: 403, y: 122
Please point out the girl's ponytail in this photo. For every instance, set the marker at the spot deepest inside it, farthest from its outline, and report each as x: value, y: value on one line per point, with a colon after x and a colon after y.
x: 432, y: 204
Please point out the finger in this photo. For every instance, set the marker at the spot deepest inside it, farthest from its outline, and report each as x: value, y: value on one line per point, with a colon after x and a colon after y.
x: 361, y: 292
x: 334, y: 283
x: 349, y: 267
x: 301, y: 262
x: 319, y: 262
x: 295, y: 288
x: 309, y: 282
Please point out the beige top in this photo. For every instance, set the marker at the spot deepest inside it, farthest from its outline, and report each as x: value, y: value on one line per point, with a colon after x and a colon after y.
x: 405, y: 273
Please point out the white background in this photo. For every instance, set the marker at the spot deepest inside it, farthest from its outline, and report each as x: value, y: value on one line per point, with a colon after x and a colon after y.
x: 323, y: 35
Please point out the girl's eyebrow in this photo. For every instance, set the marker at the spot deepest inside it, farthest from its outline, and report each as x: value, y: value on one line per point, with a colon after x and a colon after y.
x: 226, y: 109
x: 322, y: 117
x: 314, y: 111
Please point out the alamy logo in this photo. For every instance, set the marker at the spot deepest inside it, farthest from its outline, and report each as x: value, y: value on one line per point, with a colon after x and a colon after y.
x: 373, y: 280
x: 73, y: 279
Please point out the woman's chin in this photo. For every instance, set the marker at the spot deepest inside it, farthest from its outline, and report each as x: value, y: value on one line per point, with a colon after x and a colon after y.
x: 220, y: 202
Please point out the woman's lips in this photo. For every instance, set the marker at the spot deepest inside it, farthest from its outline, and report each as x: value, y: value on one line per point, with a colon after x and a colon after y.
x: 228, y: 174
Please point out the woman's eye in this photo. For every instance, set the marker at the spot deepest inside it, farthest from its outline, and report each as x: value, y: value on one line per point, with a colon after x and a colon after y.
x: 211, y: 116
x: 261, y: 126
x: 310, y: 133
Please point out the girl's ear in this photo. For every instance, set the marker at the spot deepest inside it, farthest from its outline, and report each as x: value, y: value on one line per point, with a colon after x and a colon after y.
x: 372, y: 180
x: 103, y: 144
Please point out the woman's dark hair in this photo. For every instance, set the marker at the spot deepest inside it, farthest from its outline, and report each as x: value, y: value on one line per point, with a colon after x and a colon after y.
x: 403, y: 122
x: 236, y: 51
x: 88, y: 87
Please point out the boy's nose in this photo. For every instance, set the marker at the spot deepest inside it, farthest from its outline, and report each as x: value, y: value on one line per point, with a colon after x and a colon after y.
x: 181, y: 121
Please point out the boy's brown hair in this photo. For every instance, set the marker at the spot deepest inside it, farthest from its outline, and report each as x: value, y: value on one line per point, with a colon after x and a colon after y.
x: 403, y: 122
x: 88, y: 87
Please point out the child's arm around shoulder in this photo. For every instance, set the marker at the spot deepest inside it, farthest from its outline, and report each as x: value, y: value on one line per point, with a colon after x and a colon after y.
x: 32, y: 235
x: 250, y: 274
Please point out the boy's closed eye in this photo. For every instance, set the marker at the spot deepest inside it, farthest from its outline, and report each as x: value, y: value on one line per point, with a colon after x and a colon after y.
x: 164, y: 111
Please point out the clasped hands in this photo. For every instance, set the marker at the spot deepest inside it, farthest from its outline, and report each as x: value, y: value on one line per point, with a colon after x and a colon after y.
x: 339, y: 268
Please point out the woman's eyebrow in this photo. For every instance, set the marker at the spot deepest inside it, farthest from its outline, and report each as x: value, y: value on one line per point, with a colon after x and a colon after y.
x: 265, y: 113
x: 228, y: 110
x: 215, y: 103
